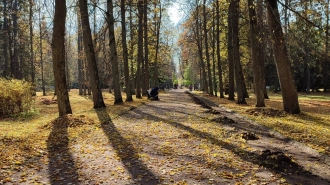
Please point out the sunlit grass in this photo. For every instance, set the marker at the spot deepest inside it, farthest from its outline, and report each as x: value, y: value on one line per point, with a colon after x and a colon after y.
x: 311, y: 126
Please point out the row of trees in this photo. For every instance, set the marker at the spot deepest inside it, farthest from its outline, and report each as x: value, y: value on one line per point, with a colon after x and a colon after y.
x: 237, y: 45
x: 122, y: 45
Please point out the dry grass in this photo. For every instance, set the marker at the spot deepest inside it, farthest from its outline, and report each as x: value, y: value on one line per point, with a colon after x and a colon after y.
x: 311, y: 126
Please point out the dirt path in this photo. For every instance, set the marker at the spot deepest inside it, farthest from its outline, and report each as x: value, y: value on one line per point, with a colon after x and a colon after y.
x: 173, y: 141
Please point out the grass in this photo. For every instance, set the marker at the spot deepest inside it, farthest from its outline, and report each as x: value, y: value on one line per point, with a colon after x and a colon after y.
x: 311, y: 126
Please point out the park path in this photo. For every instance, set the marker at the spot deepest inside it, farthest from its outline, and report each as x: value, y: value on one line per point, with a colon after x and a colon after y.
x: 172, y: 141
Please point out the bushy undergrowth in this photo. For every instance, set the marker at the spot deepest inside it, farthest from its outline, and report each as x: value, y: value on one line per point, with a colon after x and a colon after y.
x: 15, y: 97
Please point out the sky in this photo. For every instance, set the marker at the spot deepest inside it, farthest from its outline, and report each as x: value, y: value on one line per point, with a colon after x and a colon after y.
x: 174, y: 13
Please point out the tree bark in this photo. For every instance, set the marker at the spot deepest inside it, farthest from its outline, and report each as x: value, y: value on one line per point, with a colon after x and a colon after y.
x: 90, y: 55
x: 207, y: 55
x: 200, y: 51
x: 213, y: 51
x: 325, y: 63
x: 113, y: 54
x: 15, y: 65
x: 289, y: 93
x: 257, y: 54
x: 31, y: 42
x: 125, y: 53
x: 133, y: 82
x: 218, y: 52
x: 140, y: 50
x: 231, y: 66
x: 145, y: 87
x: 80, y: 54
x: 157, y: 25
x: 240, y: 85
x: 5, y: 39
x: 58, y: 54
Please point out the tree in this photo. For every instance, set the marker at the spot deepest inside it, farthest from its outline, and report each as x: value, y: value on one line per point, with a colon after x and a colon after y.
x: 289, y: 93
x: 140, y: 49
x: 90, y: 54
x: 240, y: 85
x: 113, y: 53
x: 58, y: 55
x: 207, y: 55
x: 125, y: 52
x: 231, y: 85
x: 218, y: 52
x: 145, y: 87
x: 257, y: 54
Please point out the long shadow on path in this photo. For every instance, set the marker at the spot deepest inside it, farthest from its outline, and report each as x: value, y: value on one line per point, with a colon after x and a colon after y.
x: 125, y: 150
x: 62, y: 169
x: 298, y: 174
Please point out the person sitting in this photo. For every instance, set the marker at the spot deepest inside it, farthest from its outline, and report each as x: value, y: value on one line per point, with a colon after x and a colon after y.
x: 153, y: 93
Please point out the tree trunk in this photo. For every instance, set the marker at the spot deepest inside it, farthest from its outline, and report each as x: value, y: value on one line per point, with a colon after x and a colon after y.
x: 240, y: 85
x: 213, y: 51
x: 14, y: 65
x: 157, y: 25
x: 90, y: 55
x: 207, y: 55
x: 58, y: 54
x: 140, y: 50
x: 125, y: 53
x: 325, y: 63
x: 200, y: 50
x: 31, y: 42
x: 5, y: 39
x: 257, y: 54
x: 41, y: 56
x: 218, y: 52
x: 80, y: 54
x: 289, y: 93
x: 113, y: 53
x: 145, y: 87
x: 133, y: 82
x: 231, y: 66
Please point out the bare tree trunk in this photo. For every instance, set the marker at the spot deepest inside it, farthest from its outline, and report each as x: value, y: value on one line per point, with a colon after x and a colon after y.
x: 213, y: 51
x: 200, y: 50
x: 289, y: 93
x: 145, y: 87
x: 80, y: 53
x: 140, y: 50
x: 5, y: 38
x: 257, y: 54
x: 125, y: 53
x: 90, y: 55
x: 41, y: 57
x: 218, y: 52
x: 231, y: 66
x: 133, y: 82
x: 14, y: 65
x: 113, y: 53
x: 240, y: 85
x: 207, y: 50
x: 58, y: 53
x: 325, y: 63
x: 31, y: 42
x: 157, y: 25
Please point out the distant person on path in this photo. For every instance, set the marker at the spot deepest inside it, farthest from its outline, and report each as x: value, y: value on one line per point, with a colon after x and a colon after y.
x: 153, y: 93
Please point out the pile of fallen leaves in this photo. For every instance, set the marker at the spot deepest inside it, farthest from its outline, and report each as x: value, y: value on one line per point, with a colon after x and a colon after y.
x: 271, y: 112
x: 69, y: 120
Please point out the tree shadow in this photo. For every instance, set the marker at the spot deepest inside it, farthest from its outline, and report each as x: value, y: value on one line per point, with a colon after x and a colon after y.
x: 126, y: 151
x: 62, y: 168
x: 291, y: 171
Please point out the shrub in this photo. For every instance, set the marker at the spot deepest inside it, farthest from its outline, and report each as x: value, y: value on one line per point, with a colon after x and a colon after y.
x: 15, y: 97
